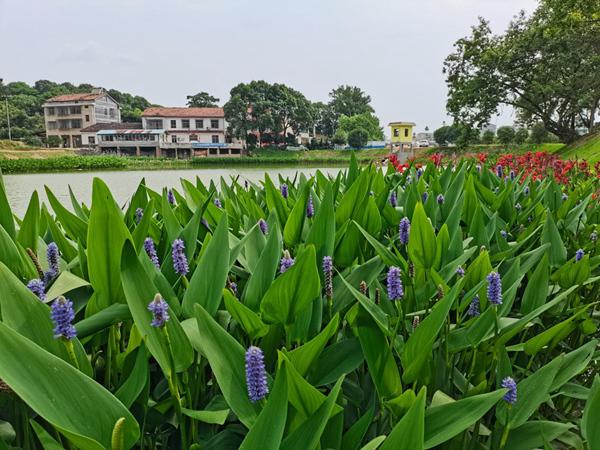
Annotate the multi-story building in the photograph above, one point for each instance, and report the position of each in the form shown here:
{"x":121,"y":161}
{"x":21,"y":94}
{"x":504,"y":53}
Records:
{"x":65,"y":115}
{"x":173,"y":132}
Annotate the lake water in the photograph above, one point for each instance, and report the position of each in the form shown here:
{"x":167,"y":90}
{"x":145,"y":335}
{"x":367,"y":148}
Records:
{"x":123,"y":183}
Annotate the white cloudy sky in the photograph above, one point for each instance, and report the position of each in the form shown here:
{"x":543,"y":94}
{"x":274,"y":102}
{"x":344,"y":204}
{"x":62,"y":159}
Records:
{"x":165,"y":50}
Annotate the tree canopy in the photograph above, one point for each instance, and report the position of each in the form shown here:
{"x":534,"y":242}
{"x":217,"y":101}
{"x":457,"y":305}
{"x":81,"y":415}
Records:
{"x":545,"y":65}
{"x":202,"y":100}
{"x":365,"y":121}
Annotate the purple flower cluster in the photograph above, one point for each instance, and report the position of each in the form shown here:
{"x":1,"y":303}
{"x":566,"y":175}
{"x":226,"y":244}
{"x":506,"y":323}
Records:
{"x":52,"y":255}
{"x":511,"y":396}
{"x":256,"y":374}
{"x":419,"y":173}
{"x":170,"y":197}
{"x":180,"y":262}
{"x":62,"y":315}
{"x":503,"y":233}
{"x":512,"y":175}
{"x":394,"y":199}
{"x":526,"y":191}
{"x":284,"y":190}
{"x":395,"y":290}
{"x":494,"y":288}
{"x":460,"y":271}
{"x":233,"y":287}
{"x":328,"y":272}
{"x":217,"y":203}
{"x":286,"y":262}
{"x":38,"y":287}
{"x":139,"y":213}
{"x":579,"y":254}
{"x":310,"y":208}
{"x":404,"y":229}
{"x":151,"y":252}
{"x":424,"y":197}
{"x":518,"y":207}
{"x":564,"y":197}
{"x":263,"y":226}
{"x":440,"y":199}
{"x":473,"y":310}
{"x":499,"y":171}
{"x":160,"y":311}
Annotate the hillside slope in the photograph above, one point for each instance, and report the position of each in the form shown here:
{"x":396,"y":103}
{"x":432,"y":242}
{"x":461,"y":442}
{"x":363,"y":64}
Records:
{"x":588,"y":147}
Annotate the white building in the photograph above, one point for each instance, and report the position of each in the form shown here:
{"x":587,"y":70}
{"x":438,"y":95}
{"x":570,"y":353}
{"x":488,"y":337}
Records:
{"x":173,"y":132}
{"x":66,"y":115}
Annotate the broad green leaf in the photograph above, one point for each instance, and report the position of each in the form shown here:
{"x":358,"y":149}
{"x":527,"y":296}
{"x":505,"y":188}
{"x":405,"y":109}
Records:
{"x":537,"y":287}
{"x":47,"y":441}
{"x":213,"y":417}
{"x":248,"y":319}
{"x":304,"y":356}
{"x":295,"y":221}
{"x":6,"y":216}
{"x":336,"y":360}
{"x":66,"y":282}
{"x":322,"y":231}
{"x":408,"y":433}
{"x":29,"y":229}
{"x":421,"y":244}
{"x":557,"y":253}
{"x":591,"y":417}
{"x":76,"y":228}
{"x":356,"y":433}
{"x":536,"y":434}
{"x":131,"y":389}
{"x":70,"y":402}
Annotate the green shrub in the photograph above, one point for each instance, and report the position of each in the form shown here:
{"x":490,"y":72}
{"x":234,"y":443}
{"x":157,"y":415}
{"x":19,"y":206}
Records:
{"x":358,"y":138}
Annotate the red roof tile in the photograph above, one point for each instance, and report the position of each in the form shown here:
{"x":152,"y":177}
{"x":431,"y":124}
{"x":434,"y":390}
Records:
{"x":184,"y":112}
{"x":86,"y":96}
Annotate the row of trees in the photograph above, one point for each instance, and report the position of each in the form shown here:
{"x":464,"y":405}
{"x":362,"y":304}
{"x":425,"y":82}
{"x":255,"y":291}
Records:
{"x":26,"y":113}
{"x":463,"y":135}
{"x":545,"y":66}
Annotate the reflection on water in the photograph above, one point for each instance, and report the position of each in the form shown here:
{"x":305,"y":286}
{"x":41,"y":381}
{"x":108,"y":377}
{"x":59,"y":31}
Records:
{"x":123,"y":183}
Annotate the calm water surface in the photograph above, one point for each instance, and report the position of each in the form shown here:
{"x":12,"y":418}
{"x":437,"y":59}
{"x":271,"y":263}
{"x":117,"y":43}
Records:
{"x":123,"y":183}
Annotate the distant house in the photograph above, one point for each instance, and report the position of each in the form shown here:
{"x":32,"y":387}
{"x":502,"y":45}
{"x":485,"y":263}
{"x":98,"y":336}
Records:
{"x":402,"y":135}
{"x":65,"y":115}
{"x":171,"y":132}
{"x":89,"y":136}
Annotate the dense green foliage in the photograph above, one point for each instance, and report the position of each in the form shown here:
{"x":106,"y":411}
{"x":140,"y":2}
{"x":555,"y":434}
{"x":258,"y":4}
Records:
{"x":348,"y":367}
{"x":62,"y":163}
{"x":365,"y":121}
{"x":358,"y":137}
{"x":202,"y":100}
{"x":25,"y":105}
{"x":506,"y":135}
{"x":545,"y":66}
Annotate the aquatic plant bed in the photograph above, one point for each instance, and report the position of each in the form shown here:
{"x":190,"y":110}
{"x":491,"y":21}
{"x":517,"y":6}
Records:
{"x":454,"y":306}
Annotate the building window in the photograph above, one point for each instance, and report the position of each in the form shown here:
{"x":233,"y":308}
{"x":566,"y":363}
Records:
{"x":174,"y":139}
{"x":112,"y":112}
{"x":92,"y":140}
{"x":52,"y":125}
{"x":75,"y":109}
{"x":406,"y":132}
{"x":193,"y":137}
{"x":50,"y":111}
{"x":154,"y":124}
{"x":185,"y":123}
{"x":214,"y":123}
{"x":76,"y":123}
{"x":396,"y":132}
{"x":215,"y":139}
{"x":87,"y":118}
{"x":173,"y":123}
{"x":63,"y":110}
{"x":199,"y":124}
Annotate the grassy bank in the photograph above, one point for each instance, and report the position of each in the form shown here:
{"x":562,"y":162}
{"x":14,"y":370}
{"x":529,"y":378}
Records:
{"x":588,"y":147}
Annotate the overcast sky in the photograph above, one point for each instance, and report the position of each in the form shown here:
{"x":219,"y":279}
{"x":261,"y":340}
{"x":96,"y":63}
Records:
{"x":165,"y":50}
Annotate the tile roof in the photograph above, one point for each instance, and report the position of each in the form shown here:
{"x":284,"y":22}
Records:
{"x":112,"y":126}
{"x":183,"y":112}
{"x":86,"y":96}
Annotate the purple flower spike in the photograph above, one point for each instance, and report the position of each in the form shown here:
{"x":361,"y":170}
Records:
{"x":511,"y":396}
{"x":473,"y":310}
{"x":139,"y":213}
{"x":38,"y":288}
{"x":151,"y":252}
{"x":579,"y":254}
{"x":180,"y":262}
{"x":62,"y":315}
{"x":419,"y":173}
{"x":494,"y":288}
{"x":328,"y":271}
{"x":310,"y":208}
{"x":460,"y":271}
{"x":395,"y":290}
{"x":440,"y":199}
{"x":256,"y":374}
{"x":160,"y":311}
{"x":499,"y":171}
{"x":233,"y":287}
{"x":564,"y":197}
{"x":170,"y":197}
{"x":404,"y":229}
{"x":512,"y":175}
{"x":263,"y":226}
{"x":504,"y":234}
{"x":217,"y":203}
{"x":594,"y":236}
{"x":52,"y":255}
{"x":526,"y":191}
{"x":424,"y":197}
{"x":284,"y":190}
{"x":394,"y":199}
{"x":286,"y":262}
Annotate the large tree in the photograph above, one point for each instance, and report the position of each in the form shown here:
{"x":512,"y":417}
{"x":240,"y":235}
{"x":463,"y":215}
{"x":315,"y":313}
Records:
{"x":365,"y":121}
{"x":545,"y":66}
{"x":350,"y":101}
{"x":202,"y":100}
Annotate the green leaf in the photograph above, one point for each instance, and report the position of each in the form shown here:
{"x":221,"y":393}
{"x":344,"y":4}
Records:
{"x":226,"y":358}
{"x":445,"y":421}
{"x":408,"y":434}
{"x":336,"y":360}
{"x":421,"y":245}
{"x":47,"y":441}
{"x":131,"y":389}
{"x":557,"y":253}
{"x":106,"y":235}
{"x":248,"y":319}
{"x":267,"y":432}
{"x":295,"y":221}
{"x":304,"y":356}
{"x":29,"y":230}
{"x":307,"y":435}
{"x":356,"y":433}
{"x":536,"y":434}
{"x":76,"y":228}
{"x":66,"y":282}
{"x":591,"y":417}
{"x":374,"y":310}
{"x":208,"y":280}
{"x":213,"y":417}
{"x":537,"y":287}
{"x":6,"y":216}
{"x":293,"y":291}
{"x":70,"y":402}
{"x":139,"y":292}
{"x":103,"y":319}
{"x":322,"y":231}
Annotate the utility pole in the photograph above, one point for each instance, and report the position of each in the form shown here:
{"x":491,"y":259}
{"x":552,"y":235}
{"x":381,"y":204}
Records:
{"x":7,"y":114}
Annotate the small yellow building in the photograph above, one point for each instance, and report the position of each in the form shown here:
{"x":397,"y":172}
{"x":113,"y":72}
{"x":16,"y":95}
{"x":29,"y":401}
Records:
{"x":402,"y":132}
